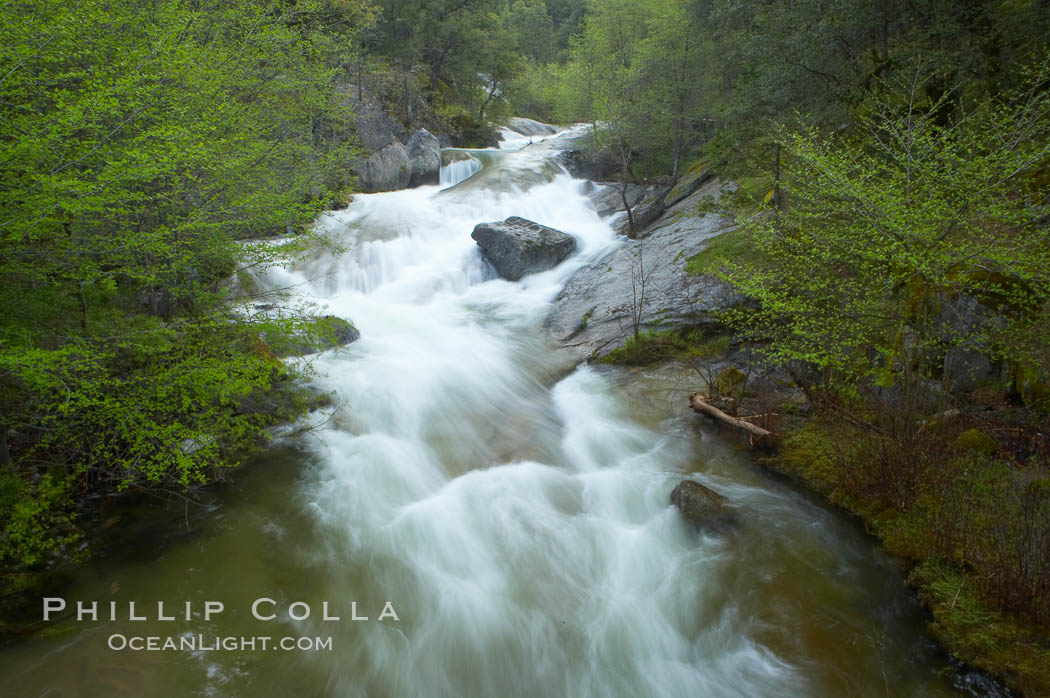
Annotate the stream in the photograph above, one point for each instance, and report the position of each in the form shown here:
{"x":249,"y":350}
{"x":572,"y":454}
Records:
{"x":510,"y":507}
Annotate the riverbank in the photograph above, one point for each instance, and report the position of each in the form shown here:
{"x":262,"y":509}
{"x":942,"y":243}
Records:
{"x":973,"y":540}
{"x":963,"y":506}
{"x":972,"y":507}
{"x":953,"y":479}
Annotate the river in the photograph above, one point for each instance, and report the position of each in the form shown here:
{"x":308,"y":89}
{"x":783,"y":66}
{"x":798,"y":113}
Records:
{"x":510,"y":506}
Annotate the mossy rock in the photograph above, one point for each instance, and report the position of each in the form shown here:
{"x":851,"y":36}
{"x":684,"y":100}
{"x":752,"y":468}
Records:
{"x":450,"y":156}
{"x":688,"y":183}
{"x":1036,"y":395}
{"x":977,"y":441}
{"x":318,"y":335}
{"x":729,"y":381}
{"x":1032,"y":386}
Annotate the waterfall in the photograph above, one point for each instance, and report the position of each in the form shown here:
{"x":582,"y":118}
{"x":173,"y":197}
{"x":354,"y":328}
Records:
{"x":459,"y":170}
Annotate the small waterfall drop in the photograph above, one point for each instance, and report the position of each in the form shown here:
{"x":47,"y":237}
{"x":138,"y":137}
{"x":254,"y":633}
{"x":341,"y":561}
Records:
{"x":457,"y":171}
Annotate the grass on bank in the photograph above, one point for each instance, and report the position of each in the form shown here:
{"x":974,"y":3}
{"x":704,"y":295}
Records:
{"x":966,"y":506}
{"x":661,"y":345}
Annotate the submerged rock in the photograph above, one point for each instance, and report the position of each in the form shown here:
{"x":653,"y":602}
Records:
{"x":424,"y":158}
{"x":517,"y":247}
{"x":701,"y":505}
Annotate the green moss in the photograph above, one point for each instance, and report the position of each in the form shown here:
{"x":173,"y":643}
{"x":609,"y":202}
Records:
{"x":977,"y":441}
{"x":835,"y":459}
{"x":808,"y":454}
{"x":730,"y":245}
{"x":731,"y":380}
{"x":681,"y":344}
{"x":1034,"y":390}
{"x":978,"y":635}
{"x":696,"y":170}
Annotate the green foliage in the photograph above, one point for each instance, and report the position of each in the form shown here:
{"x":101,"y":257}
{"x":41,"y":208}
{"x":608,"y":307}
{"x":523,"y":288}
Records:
{"x":474,"y":47}
{"x":548,"y":93}
{"x":688,"y":72}
{"x":30,"y":517}
{"x":886,"y":224}
{"x":733,"y":244}
{"x":684,"y":344}
{"x":489,"y":58}
{"x":633,"y":70}
{"x":145,"y":143}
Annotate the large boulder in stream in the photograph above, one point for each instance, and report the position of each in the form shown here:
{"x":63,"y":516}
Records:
{"x":386,"y":169}
{"x":386,"y":166}
{"x":702,"y":506}
{"x":517,"y":247}
{"x":424,"y":158}
{"x":375,"y":129}
{"x":530,"y":127}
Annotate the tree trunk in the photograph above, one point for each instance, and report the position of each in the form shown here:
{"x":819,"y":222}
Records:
{"x":677,"y":156}
{"x":776,"y":182}
{"x":625,"y":162}
{"x":485,"y":104}
{"x":627,"y":207}
{"x":697,"y":402}
{"x":404,"y":94}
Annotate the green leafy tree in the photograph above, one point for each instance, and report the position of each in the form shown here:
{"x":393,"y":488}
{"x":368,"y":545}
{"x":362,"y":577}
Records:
{"x":889,"y":223}
{"x":144,"y":146}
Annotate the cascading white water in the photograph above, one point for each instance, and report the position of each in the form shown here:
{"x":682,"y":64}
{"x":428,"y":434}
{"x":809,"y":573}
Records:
{"x":526,"y":524}
{"x":458,"y":170}
{"x":512,"y":508}
{"x":521,"y":521}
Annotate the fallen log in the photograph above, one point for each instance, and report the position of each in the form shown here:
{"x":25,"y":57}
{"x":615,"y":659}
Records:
{"x":697,"y":402}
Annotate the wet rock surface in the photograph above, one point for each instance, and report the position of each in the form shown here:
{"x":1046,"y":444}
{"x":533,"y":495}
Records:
{"x":424,"y":158}
{"x":517,"y":247}
{"x":702,"y":506}
{"x":643,"y":280}
{"x":530,"y":127}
